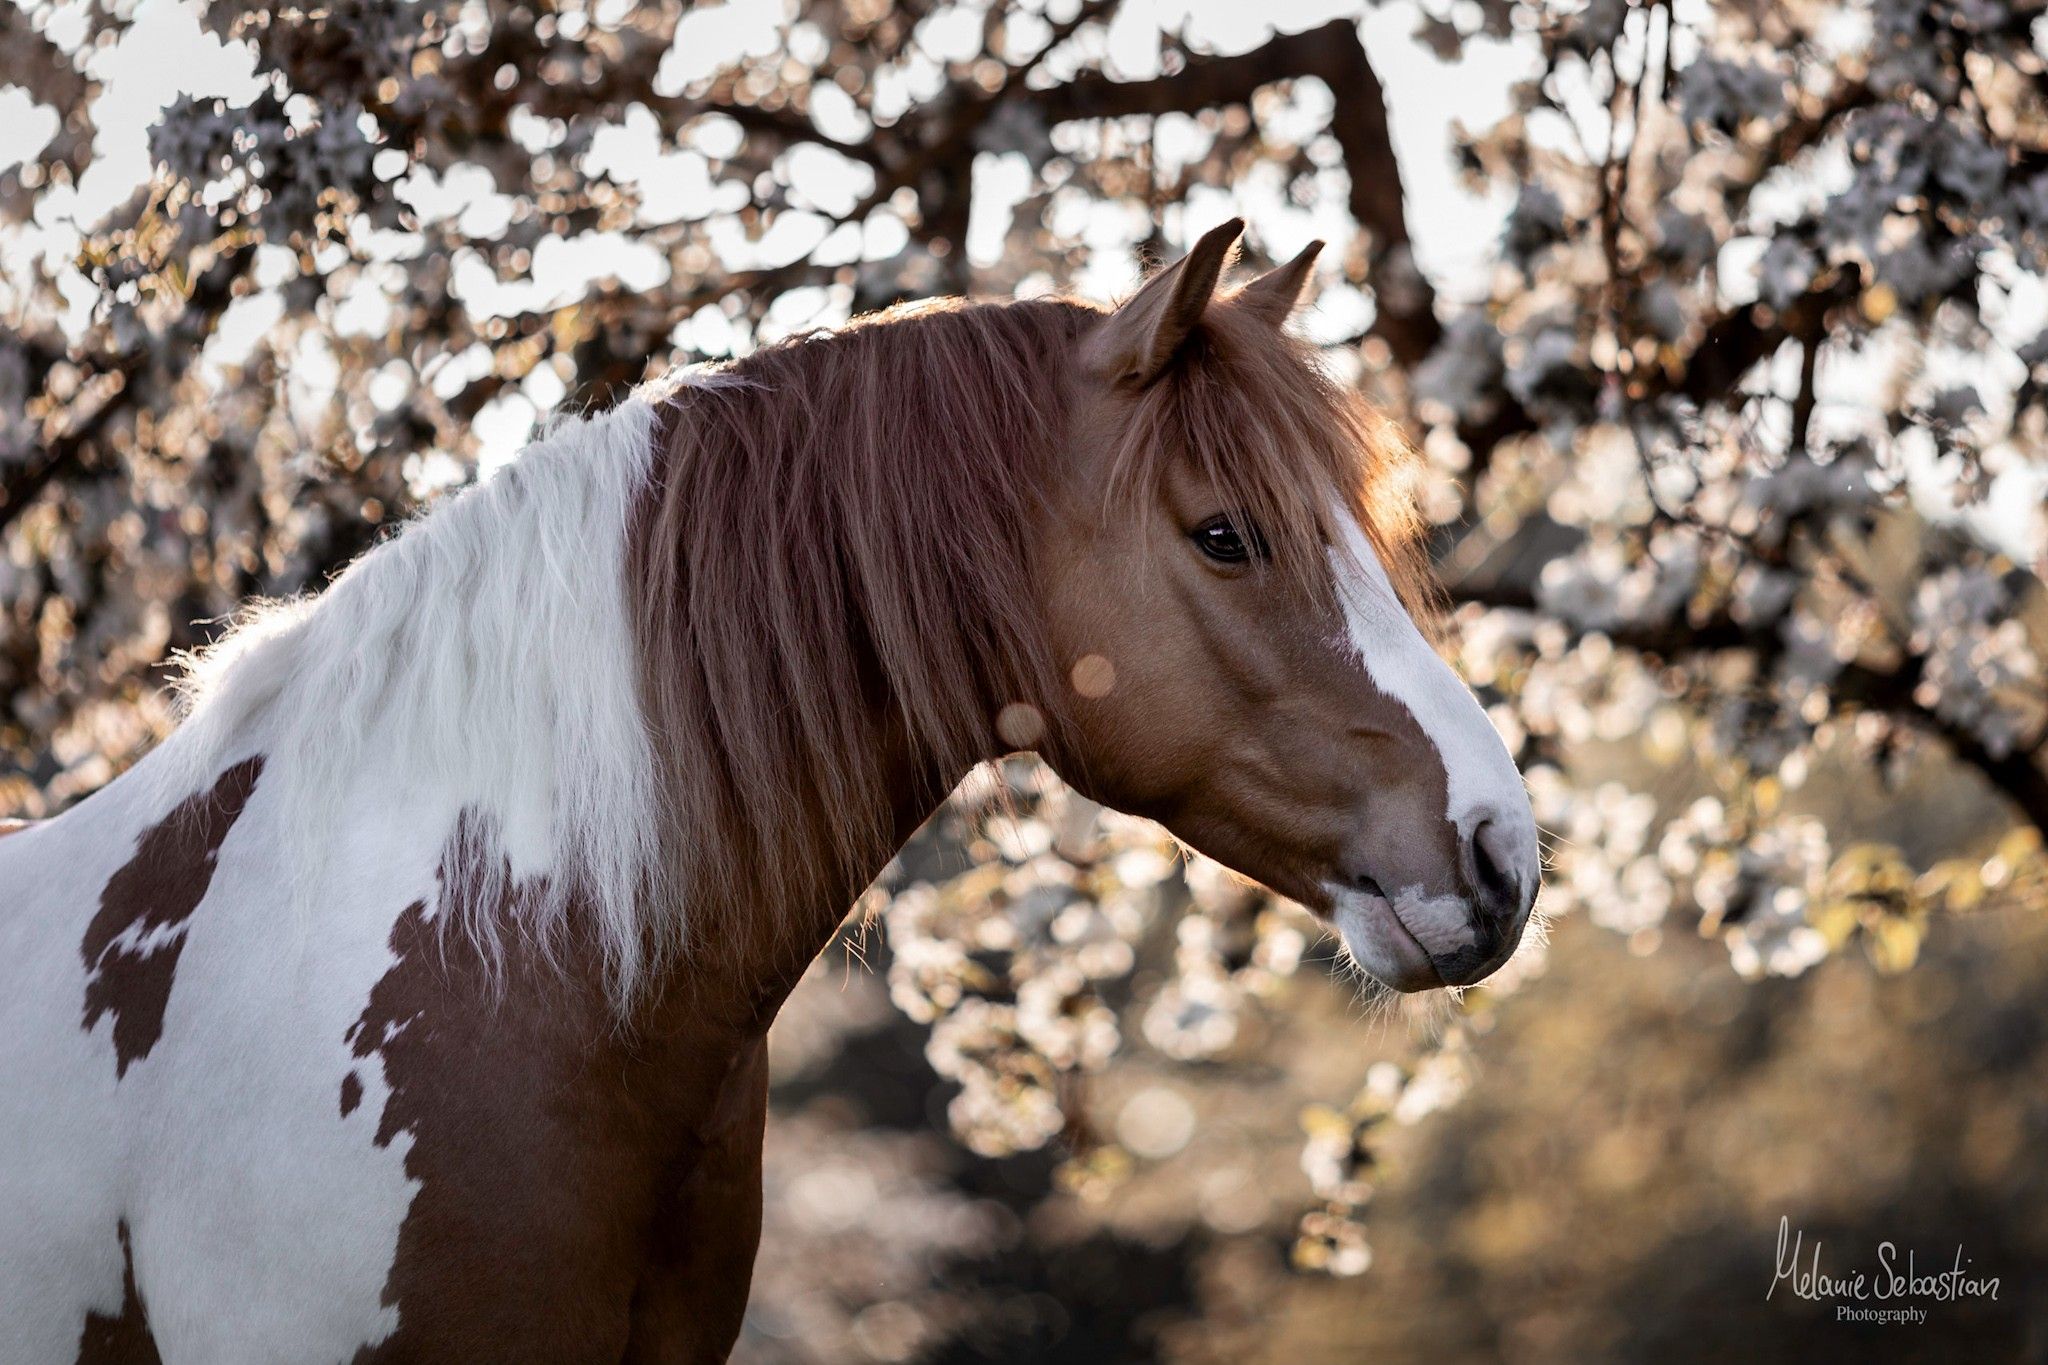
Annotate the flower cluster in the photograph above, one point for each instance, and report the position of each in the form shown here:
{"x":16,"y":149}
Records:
{"x":1342,"y":1155}
{"x":1007,"y":959}
{"x":1982,"y":674}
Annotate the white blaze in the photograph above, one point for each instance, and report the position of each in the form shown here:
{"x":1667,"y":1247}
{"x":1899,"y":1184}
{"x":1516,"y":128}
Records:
{"x":1479,"y":774}
{"x":1393,"y":941}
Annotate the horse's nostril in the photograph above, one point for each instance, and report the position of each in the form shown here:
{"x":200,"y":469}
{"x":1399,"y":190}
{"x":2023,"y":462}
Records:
{"x":1494,"y":880}
{"x":1363,"y":882}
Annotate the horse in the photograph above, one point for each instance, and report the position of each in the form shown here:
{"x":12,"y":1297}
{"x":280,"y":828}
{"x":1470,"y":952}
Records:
{"x":408,"y":1001}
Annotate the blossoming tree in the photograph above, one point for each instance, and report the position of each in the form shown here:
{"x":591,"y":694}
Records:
{"x":1736,"y":430}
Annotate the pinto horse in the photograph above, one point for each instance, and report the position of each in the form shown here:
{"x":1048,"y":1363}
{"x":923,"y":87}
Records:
{"x":408,"y":1002}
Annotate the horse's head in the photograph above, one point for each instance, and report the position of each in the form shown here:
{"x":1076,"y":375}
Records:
{"x":1232,"y":580}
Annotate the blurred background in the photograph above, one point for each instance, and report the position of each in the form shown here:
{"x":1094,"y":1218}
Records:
{"x":1723,"y":330}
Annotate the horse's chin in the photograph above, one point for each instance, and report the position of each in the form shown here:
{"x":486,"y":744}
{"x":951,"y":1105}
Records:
{"x":1379,"y":943}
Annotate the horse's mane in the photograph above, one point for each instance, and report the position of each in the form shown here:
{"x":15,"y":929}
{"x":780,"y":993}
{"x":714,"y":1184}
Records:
{"x":478,"y":666}
{"x":649,"y":654}
{"x":844,"y":521}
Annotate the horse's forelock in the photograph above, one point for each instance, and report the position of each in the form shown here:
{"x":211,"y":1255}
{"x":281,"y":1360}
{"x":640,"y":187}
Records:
{"x":1252,"y":409}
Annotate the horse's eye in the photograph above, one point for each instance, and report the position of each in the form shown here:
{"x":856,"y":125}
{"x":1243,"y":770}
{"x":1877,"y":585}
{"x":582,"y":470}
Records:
{"x":1221,"y":540}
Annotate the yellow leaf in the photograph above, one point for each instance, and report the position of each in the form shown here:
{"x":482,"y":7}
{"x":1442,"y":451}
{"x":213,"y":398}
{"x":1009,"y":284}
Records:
{"x":1310,"y":1255}
{"x":2022,"y":845}
{"x":1769,"y":792}
{"x":1880,"y":301}
{"x":1833,"y":920}
{"x":1957,"y":883}
{"x":1893,"y":944}
{"x":1320,"y":1120}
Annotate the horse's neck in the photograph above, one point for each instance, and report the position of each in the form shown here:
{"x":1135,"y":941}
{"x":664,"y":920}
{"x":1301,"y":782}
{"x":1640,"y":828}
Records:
{"x":482,"y":671}
{"x":745,"y":957}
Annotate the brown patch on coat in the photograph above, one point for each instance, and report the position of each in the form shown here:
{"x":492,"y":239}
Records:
{"x":132,"y":946}
{"x":123,"y":1339}
{"x":692,"y":1295}
{"x":551,"y":1145}
{"x":351,"y":1093}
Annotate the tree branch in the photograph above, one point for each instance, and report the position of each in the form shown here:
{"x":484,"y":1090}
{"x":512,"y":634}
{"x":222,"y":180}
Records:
{"x":1406,"y":319}
{"x":30,"y":60}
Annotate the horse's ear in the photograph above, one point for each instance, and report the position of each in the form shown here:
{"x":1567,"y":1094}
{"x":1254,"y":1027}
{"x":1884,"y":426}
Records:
{"x":1134,"y":344}
{"x":1277,"y":293}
